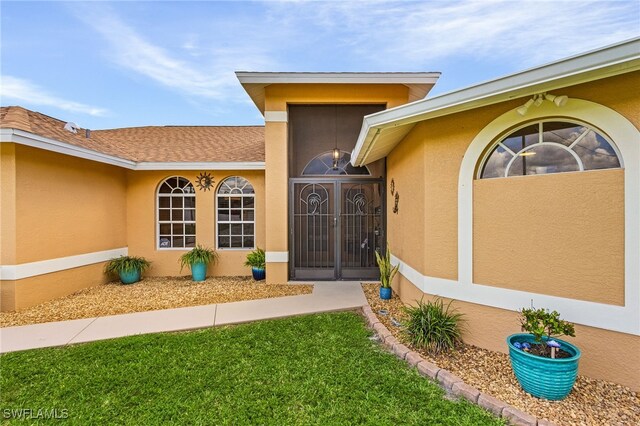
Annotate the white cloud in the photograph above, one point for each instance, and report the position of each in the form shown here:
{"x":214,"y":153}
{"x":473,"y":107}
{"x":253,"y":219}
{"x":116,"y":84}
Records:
{"x":411,"y":34}
{"x":25,"y":91}
{"x":204,"y":73}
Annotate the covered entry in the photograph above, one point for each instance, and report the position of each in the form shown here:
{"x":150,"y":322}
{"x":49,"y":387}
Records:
{"x":336,"y":210}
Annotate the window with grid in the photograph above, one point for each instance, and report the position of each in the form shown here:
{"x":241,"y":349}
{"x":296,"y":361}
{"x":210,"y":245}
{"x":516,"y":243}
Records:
{"x":176,"y":214}
{"x":236,"y":214}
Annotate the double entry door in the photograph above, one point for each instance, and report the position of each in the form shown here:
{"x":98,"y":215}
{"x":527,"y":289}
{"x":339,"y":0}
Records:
{"x":336,"y":225}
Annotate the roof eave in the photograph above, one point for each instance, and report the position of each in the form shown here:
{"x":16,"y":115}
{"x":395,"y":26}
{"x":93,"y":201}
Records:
{"x":607,"y":62}
{"x":254,"y":83}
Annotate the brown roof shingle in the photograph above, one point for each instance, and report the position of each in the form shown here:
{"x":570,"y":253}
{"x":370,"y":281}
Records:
{"x":151,"y":143}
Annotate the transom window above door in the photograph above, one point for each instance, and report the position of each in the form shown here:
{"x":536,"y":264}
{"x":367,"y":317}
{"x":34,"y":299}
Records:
{"x":325,"y":164}
{"x":550,"y":147}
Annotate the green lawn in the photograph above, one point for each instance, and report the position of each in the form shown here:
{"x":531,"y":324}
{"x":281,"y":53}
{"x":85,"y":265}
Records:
{"x":317,"y":369}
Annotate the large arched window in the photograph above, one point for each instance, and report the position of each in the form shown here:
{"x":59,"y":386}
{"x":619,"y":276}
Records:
{"x":236,"y":214}
{"x":549,"y":147}
{"x":176,"y":213}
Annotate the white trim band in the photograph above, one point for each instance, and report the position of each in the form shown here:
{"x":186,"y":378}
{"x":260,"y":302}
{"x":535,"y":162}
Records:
{"x":277,"y":256}
{"x":32,"y":269}
{"x":276,"y":116}
{"x":599,"y":315}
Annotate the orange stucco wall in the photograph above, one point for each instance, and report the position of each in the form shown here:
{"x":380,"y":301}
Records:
{"x":141,"y":220}
{"x":548,"y":234}
{"x":67,"y":206}
{"x":517,"y":222}
{"x":55,"y":206}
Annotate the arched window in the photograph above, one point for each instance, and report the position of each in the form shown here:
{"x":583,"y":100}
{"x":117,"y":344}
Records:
{"x":550,"y":147}
{"x":236,"y":214}
{"x":323,"y":164}
{"x":176,"y":213}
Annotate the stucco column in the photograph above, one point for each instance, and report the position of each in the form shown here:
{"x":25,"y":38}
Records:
{"x":276,"y":190}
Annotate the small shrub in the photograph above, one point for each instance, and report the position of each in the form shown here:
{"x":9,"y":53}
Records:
{"x":387,"y":270}
{"x":541,"y":322}
{"x":126,"y":264}
{"x":199,"y":254}
{"x":256,"y":259}
{"x":434,"y":326}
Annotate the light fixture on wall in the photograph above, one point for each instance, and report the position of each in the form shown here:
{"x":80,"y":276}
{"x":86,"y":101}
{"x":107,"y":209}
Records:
{"x":539,"y":98}
{"x":336,"y":150}
{"x":558,"y":100}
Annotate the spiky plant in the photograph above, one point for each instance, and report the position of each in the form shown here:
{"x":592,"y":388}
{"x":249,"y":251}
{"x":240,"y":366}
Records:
{"x":434,"y":326}
{"x":126,"y":264}
{"x":256,"y":259}
{"x":387,"y":270}
{"x":199,"y":254}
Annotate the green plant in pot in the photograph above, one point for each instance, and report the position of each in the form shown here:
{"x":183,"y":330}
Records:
{"x":387,"y":272}
{"x":197,"y":259}
{"x":256,"y":260}
{"x":128,"y":268}
{"x":545,"y":366}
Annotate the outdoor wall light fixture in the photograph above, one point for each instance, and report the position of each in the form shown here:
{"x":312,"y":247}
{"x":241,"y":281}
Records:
{"x":336,"y":151}
{"x":336,"y":158}
{"x":539,"y":98}
{"x":558,"y":100}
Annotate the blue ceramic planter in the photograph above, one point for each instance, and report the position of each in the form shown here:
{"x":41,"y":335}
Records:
{"x":130,"y":277}
{"x":259,"y":274}
{"x":543,"y":377}
{"x":199,"y":271}
{"x":385,"y":293}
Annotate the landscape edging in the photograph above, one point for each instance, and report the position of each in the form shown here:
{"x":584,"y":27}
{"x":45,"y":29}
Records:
{"x":447,"y":380}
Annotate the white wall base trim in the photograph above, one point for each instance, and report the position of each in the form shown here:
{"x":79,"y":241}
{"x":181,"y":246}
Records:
{"x":277,"y":256}
{"x":276,"y":116}
{"x":32,"y":269}
{"x":609,"y":317}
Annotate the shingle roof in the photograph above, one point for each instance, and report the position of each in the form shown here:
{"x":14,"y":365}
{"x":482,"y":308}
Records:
{"x":151,"y":143}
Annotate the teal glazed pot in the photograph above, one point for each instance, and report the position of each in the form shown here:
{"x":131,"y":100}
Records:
{"x":199,"y":271}
{"x":129,"y":277}
{"x":385,"y":293}
{"x":543,"y":377}
{"x":259,"y":274}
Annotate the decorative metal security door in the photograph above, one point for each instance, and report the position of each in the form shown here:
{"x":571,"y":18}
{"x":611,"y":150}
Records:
{"x":335,"y":227}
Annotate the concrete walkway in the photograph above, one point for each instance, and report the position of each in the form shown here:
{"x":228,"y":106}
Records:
{"x":326,"y":297}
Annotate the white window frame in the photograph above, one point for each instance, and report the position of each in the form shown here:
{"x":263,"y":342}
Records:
{"x":236,"y":222}
{"x":172,"y":222}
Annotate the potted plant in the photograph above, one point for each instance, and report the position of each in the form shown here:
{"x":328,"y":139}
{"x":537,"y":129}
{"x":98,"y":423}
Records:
{"x":128,"y":268}
{"x":387,"y":272}
{"x":546,"y":367}
{"x":256,"y":260}
{"x":197,"y":259}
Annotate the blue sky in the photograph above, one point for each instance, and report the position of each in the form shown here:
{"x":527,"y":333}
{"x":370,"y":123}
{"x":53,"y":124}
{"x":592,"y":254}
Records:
{"x":121,"y":64}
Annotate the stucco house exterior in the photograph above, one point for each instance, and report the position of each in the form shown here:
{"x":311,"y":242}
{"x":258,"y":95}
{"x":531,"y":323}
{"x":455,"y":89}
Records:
{"x":520,"y":191}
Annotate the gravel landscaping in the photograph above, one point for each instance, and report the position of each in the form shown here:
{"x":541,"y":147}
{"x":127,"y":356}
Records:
{"x":592,"y":402}
{"x":150,"y":294}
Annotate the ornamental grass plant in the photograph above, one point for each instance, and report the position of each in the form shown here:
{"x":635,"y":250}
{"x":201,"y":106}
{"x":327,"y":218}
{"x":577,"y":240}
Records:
{"x":434,"y":326}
